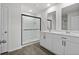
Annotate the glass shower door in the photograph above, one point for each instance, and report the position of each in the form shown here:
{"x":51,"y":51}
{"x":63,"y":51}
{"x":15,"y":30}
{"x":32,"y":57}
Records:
{"x":30,"y":29}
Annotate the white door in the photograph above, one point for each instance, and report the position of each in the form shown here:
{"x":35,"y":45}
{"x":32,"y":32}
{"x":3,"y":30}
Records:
{"x":4,"y":29}
{"x":0,"y":28}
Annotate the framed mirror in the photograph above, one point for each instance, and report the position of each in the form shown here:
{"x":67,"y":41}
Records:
{"x":51,"y":21}
{"x":70,"y":17}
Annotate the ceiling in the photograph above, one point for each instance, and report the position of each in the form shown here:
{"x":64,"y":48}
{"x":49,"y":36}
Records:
{"x":36,"y":7}
{"x":70,"y":9}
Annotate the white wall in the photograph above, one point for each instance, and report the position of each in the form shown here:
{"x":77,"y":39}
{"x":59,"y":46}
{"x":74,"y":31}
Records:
{"x":58,"y":17}
{"x":43,"y":16}
{"x":14,"y":26}
{"x":24,"y":10}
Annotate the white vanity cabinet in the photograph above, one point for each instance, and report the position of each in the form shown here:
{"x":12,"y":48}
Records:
{"x":60,"y":44}
{"x":43,"y":41}
{"x":56,"y":44}
{"x":72,"y":46}
{"x":52,"y":42}
{"x":46,"y":40}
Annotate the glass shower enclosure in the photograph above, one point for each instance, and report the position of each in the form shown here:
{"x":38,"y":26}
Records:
{"x":31,"y":27}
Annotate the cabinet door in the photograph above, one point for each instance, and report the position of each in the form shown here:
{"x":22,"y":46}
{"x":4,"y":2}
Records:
{"x":4,"y":26}
{"x":43,"y":41}
{"x":49,"y":41}
{"x":46,"y":41}
{"x":52,"y":42}
{"x":57,"y":44}
{"x":72,"y":46}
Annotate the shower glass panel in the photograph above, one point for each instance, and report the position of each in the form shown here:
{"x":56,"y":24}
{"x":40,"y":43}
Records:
{"x":30,"y":29}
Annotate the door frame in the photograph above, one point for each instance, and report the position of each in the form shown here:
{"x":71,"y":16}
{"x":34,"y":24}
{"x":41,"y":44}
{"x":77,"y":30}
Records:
{"x":22,"y":24}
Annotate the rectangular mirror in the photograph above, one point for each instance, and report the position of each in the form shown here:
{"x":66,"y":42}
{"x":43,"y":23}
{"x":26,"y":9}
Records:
{"x":51,"y":21}
{"x":70,"y":17}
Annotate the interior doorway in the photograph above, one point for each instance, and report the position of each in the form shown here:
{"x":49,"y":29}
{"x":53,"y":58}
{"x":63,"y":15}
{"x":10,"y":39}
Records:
{"x":3,"y":29}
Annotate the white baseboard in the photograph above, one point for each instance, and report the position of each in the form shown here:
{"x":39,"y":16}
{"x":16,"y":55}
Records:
{"x":24,"y":45}
{"x":27,"y":44}
{"x":15,"y":49}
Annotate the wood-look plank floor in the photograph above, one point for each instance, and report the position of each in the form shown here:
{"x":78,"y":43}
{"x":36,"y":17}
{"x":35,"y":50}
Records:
{"x":34,"y":49}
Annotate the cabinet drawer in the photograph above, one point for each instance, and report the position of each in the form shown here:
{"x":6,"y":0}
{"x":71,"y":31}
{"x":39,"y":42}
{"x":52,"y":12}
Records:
{"x":58,"y":36}
{"x":74,"y":40}
{"x":71,"y":48}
